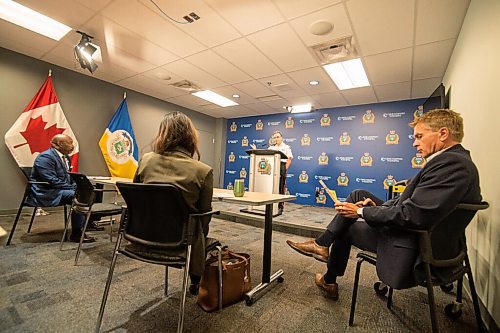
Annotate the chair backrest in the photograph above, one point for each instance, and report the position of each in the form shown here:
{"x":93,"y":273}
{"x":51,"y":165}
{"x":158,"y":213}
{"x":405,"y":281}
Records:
{"x":157,"y":215}
{"x":26,"y":171}
{"x":447,"y":239}
{"x":85,"y":194}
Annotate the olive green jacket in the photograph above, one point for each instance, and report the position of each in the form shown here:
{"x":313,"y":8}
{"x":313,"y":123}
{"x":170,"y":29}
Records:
{"x":195,"y":181}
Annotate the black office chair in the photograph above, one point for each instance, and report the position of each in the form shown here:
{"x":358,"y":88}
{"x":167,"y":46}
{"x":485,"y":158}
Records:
{"x":84,"y":203}
{"x":155,"y":223}
{"x":441,"y":247}
{"x":25,"y":202}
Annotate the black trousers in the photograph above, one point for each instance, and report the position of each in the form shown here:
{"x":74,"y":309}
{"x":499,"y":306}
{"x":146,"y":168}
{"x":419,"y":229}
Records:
{"x":348,"y":232}
{"x":282,"y":182}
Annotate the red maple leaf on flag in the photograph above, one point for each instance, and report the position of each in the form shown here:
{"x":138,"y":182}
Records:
{"x":37,"y":136}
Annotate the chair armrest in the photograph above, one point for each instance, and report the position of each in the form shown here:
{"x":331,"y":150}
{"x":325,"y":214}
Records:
{"x":32,"y":182}
{"x":212,"y":212}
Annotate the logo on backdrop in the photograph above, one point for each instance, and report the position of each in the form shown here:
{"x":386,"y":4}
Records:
{"x":320,"y":195}
{"x":369,"y":117}
{"x":259,"y":126}
{"x":120,"y":146}
{"x":392,"y":138}
{"x":229,"y":186}
{"x":323,"y":159}
{"x":366,"y":160}
{"x":243,"y":173}
{"x":263,"y":167}
{"x":231,"y":157}
{"x":418,"y":112}
{"x":233,"y":127}
{"x":305,"y":140}
{"x":244,"y":141}
{"x":418,"y":161}
{"x":342,"y":179}
{"x":303,"y":177}
{"x":345,"y":139}
{"x":325,"y":120}
{"x":389,"y":181}
{"x":289,"y":122}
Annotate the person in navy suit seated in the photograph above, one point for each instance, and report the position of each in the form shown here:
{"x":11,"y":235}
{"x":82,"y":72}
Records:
{"x":52,"y":166}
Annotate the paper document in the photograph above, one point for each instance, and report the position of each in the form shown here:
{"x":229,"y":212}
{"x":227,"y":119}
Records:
{"x":331,"y":193}
{"x":222,"y":195}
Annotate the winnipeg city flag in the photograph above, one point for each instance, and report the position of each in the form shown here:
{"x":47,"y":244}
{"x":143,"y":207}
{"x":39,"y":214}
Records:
{"x":38,"y":123}
{"x":118,"y":144}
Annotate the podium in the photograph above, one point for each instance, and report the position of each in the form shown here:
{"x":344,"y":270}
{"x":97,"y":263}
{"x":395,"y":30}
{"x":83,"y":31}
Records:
{"x":264,"y":176}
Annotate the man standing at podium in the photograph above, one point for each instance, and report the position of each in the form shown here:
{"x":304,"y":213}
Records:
{"x":279,"y":145}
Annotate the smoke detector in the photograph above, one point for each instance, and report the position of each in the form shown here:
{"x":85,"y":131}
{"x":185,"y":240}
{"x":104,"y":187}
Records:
{"x":186,"y":86}
{"x":335,"y":50}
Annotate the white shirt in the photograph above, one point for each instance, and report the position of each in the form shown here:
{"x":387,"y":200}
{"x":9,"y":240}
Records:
{"x":284,"y":148}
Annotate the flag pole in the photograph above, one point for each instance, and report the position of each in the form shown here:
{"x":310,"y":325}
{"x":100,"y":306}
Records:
{"x":124,"y":95}
{"x":50,"y":72}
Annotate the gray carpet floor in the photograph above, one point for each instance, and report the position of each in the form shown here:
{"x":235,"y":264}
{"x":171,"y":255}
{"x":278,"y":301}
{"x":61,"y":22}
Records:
{"x":42,"y":291}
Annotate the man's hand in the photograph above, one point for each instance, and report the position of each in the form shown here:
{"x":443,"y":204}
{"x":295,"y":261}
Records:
{"x":365,"y":203}
{"x":253,"y":146}
{"x":347,"y":209}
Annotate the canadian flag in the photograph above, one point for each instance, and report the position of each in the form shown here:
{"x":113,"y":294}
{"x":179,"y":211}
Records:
{"x":40,"y":121}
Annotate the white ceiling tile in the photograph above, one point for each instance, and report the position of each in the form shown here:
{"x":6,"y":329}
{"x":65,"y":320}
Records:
{"x":260,"y":108}
{"x":282,"y":85}
{"x":438,"y":20}
{"x":242,"y":14}
{"x":330,"y":100}
{"x":229,"y":91}
{"x":393,"y":92}
{"x":153,"y":27}
{"x":111,"y":33}
{"x":297,"y":100}
{"x":278,"y":104}
{"x":426,"y":66}
{"x":154,"y":85}
{"x":194,"y":74}
{"x":210,"y":30}
{"x":283,"y":47}
{"x":294,"y":8}
{"x":247,"y":57}
{"x":214,"y":64}
{"x":424,"y":88}
{"x":254,"y":88}
{"x":336,"y":15}
{"x":188,"y":99}
{"x":95,"y":5}
{"x":390,"y":67}
{"x":20,"y":46}
{"x":303,"y":77}
{"x":23,"y":38}
{"x":161,"y":75}
{"x":383,"y":25}
{"x":357,"y":96}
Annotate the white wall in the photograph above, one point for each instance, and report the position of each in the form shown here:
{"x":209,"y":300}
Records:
{"x":473,"y":75}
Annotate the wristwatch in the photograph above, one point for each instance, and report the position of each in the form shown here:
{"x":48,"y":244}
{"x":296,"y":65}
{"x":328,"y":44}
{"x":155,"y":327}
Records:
{"x":359,"y":211}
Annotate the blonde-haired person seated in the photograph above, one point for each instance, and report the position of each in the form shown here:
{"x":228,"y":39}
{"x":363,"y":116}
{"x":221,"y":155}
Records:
{"x":172,"y":162}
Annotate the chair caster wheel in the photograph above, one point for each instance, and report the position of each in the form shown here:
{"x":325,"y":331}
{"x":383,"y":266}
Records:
{"x":248,"y":300}
{"x":380,"y":288}
{"x":453,"y":310}
{"x":447,"y":287}
{"x":280,"y":279}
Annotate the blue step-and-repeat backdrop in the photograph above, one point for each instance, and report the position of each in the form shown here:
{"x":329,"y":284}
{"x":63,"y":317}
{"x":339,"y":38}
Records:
{"x":355,"y":147}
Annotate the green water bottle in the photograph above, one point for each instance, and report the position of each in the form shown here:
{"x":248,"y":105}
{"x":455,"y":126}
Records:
{"x":239,"y":187}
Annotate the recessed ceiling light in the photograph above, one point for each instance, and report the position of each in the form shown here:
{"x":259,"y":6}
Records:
{"x":320,"y":28}
{"x":163,"y":76}
{"x":236,"y":96}
{"x":214,"y":98}
{"x":314,"y":82}
{"x":348,"y":74}
{"x":32,"y":20}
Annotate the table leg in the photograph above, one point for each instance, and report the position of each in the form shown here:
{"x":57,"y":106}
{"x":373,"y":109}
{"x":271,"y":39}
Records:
{"x":267,"y":279}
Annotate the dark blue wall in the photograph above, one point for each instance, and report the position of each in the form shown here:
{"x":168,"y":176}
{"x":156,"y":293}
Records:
{"x":391,"y":155}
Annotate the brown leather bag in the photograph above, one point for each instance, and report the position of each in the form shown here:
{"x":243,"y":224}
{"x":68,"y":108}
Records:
{"x":235,"y":280}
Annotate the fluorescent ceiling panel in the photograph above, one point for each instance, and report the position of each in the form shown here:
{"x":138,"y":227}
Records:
{"x":214,"y":98}
{"x":348,"y":74}
{"x":32,"y":20}
{"x":301,"y":108}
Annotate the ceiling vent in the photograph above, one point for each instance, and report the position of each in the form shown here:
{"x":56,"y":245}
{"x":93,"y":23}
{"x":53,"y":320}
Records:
{"x":336,"y":50}
{"x":186,"y":86}
{"x":268,"y":98}
{"x":283,"y":87}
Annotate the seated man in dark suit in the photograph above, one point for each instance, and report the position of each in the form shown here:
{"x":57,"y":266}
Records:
{"x":448,"y":178}
{"x":52,"y":166}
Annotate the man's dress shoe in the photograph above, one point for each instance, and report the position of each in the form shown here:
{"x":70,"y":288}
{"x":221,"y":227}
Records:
{"x":93,"y":226}
{"x":331,"y":290}
{"x":311,"y":249}
{"x":86,"y":238}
